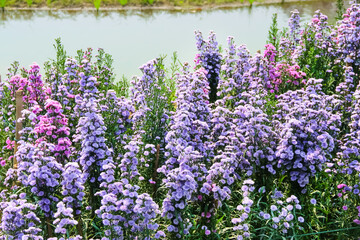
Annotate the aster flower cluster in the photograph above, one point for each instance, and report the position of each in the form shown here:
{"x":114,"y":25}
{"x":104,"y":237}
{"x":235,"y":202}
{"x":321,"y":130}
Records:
{"x":242,"y":228}
{"x":34,"y":93}
{"x":151,"y":83}
{"x":292,"y":37}
{"x":237,"y":62}
{"x":228,"y":158}
{"x":323,"y":37}
{"x":319,"y":36}
{"x":94,"y":151}
{"x":346,"y":88}
{"x":229,"y":61}
{"x":39,"y":171}
{"x":259,"y":136}
{"x":182,"y":186}
{"x":190,"y":123}
{"x":278,"y":71}
{"x":293,"y":75}
{"x":18,"y":83}
{"x":95,"y":157}
{"x":67,"y":82}
{"x":52,"y":127}
{"x":116,"y":113}
{"x":129,"y":163}
{"x":103,"y":70}
{"x":90,"y":129}
{"x":254,"y":91}
{"x":242,"y":136}
{"x":87,"y":97}
{"x":151,"y":97}
{"x":269,"y":56}
{"x":36,"y":85}
{"x":66,"y":238}
{"x":187,"y":150}
{"x":243,"y":141}
{"x":294,"y":26}
{"x":350,"y":148}
{"x":347,"y":195}
{"x":318,"y":53}
{"x":127,"y":214}
{"x":19,"y":220}
{"x":64,"y":217}
{"x":247,"y":81}
{"x":284,"y":214}
{"x":31,"y":83}
{"x":73,"y":187}
{"x":348,"y":35}
{"x":308,"y":131}
{"x":210,"y":60}
{"x":65,"y":89}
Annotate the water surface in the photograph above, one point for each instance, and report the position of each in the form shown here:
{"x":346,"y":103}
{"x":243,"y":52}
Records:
{"x":134,"y":37}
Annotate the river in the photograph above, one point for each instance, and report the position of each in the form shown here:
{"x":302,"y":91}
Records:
{"x":134,"y":37}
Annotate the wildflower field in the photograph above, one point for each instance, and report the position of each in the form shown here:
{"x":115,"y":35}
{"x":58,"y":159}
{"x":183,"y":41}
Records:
{"x":230,"y":146}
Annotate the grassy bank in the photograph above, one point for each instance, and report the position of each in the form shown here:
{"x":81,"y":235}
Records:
{"x":131,"y":4}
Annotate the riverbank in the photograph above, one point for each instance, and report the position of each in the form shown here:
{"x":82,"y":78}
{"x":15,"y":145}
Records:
{"x":118,"y":5}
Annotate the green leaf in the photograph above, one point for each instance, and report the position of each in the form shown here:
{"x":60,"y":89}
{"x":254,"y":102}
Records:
{"x":220,"y":219}
{"x":123,"y":2}
{"x":97,"y":4}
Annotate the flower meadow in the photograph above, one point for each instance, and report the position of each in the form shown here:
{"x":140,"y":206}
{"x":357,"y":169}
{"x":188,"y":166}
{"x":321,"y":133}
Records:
{"x":229,"y":146}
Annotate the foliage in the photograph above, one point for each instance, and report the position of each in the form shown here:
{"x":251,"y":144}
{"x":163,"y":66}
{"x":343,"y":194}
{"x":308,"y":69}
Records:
{"x":123,"y":2}
{"x":274,"y":34}
{"x":340,"y":9}
{"x":29,"y":3}
{"x":97,"y":4}
{"x":2,"y":4}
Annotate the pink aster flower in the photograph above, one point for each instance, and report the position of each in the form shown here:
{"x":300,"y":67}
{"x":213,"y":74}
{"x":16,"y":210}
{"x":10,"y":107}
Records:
{"x":340,"y":186}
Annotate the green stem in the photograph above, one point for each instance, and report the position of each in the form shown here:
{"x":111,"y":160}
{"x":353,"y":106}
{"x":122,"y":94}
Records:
{"x":318,"y":233}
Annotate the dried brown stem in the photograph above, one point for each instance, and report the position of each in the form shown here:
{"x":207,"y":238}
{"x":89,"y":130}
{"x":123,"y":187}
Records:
{"x":18,"y":126}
